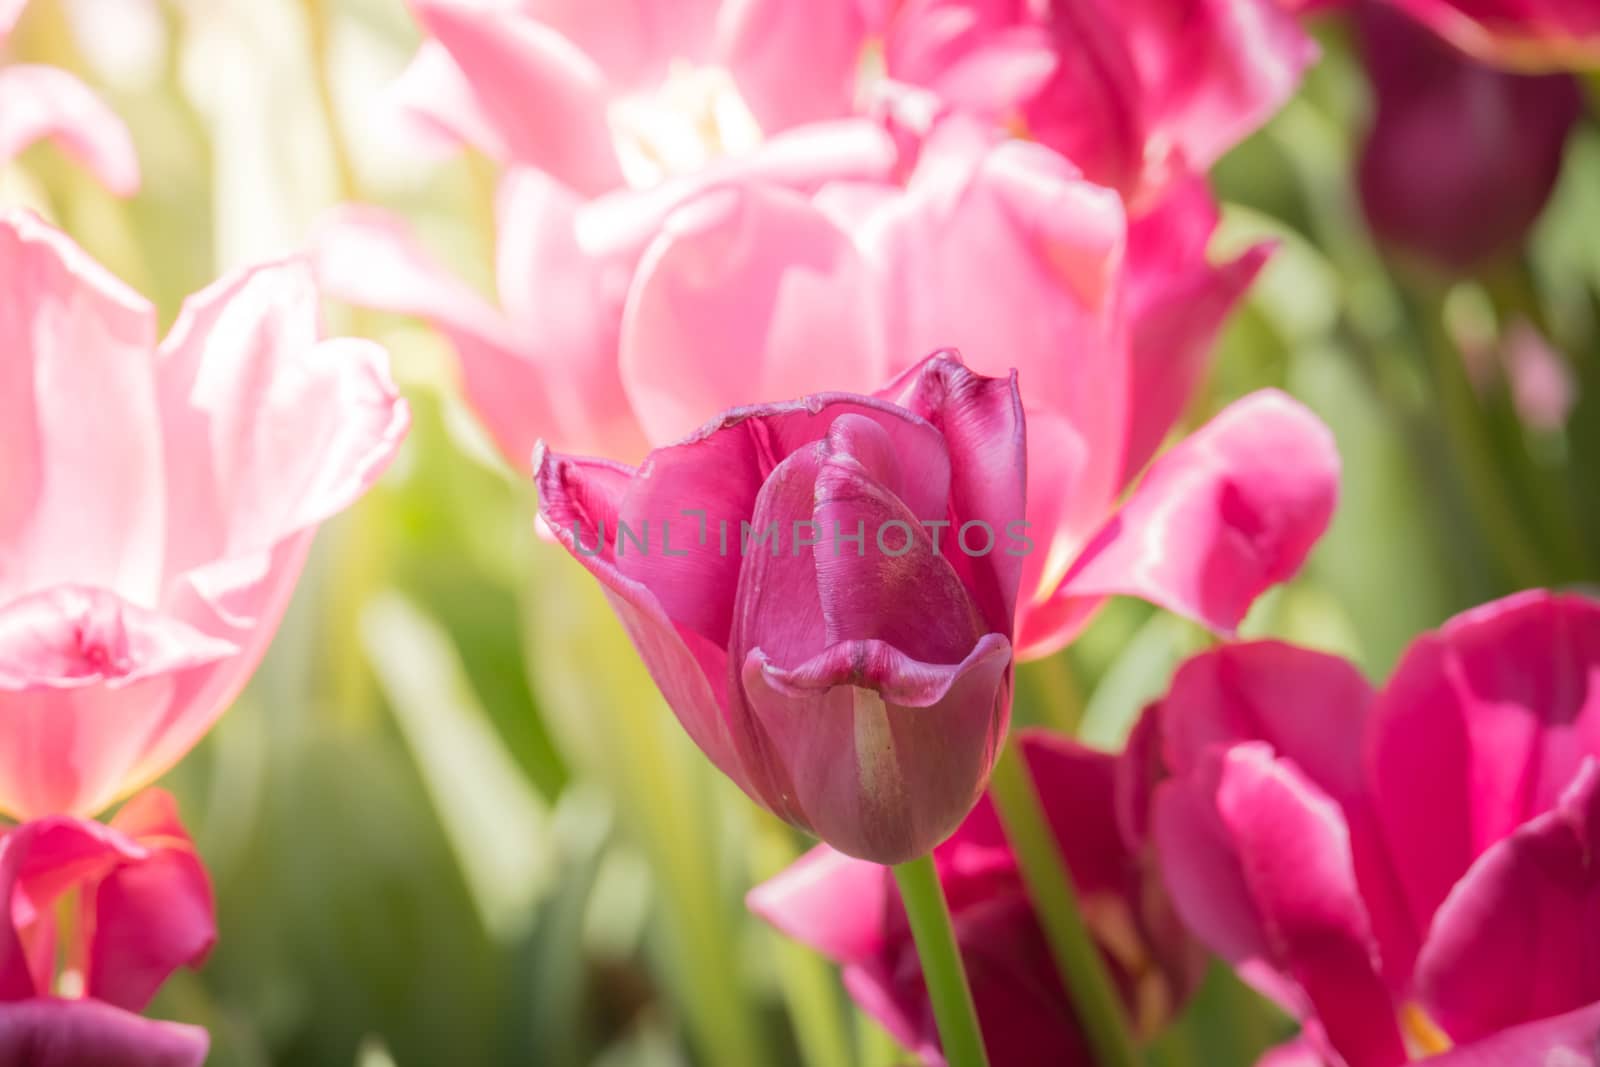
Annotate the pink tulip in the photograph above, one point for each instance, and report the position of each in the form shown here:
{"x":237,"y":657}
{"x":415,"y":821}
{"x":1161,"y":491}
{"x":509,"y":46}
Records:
{"x":144,"y":909}
{"x":1135,"y":92}
{"x":849,"y":910}
{"x":158,"y":505}
{"x":659,"y":314}
{"x":1528,"y":35}
{"x":632,"y":92}
{"x":1461,"y":158}
{"x":1409,"y":870}
{"x":859,"y":689}
{"x":39,"y":103}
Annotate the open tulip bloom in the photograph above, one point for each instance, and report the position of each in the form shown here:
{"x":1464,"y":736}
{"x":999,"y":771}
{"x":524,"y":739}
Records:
{"x":159,"y":500}
{"x":1410,"y":872}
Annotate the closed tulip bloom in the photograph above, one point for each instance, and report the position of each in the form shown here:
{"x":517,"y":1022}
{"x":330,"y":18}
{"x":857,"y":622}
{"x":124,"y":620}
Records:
{"x":159,"y":500}
{"x":143,"y":909}
{"x":1409,"y":871}
{"x":850,"y":911}
{"x":752,"y":290}
{"x":1526,"y":35}
{"x":45,"y":103}
{"x":1461,"y":157}
{"x":859,"y":689}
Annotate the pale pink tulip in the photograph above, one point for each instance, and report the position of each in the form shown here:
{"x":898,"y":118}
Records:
{"x":1527,"y":35}
{"x":1409,"y":870}
{"x":859,"y":689}
{"x":659,"y":313}
{"x":158,"y":504}
{"x":144,"y":908}
{"x":39,"y":103}
{"x":849,"y":910}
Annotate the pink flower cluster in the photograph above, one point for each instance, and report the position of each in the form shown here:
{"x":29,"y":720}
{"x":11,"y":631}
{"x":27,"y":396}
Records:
{"x":707,"y":210}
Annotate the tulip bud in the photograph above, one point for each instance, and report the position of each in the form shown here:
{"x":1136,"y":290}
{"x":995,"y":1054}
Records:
{"x":1461,"y":157}
{"x":824,"y":592}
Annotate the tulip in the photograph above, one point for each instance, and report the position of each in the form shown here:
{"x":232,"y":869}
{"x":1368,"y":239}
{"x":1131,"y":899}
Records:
{"x":1135,"y":92}
{"x":1408,"y":871}
{"x":159,"y":502}
{"x":39,"y":102}
{"x":859,"y":689}
{"x":1525,"y":35}
{"x":145,"y":909}
{"x":750,"y":291}
{"x":1461,"y":158}
{"x":849,"y":910}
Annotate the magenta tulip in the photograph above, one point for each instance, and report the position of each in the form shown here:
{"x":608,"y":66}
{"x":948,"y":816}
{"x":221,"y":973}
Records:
{"x":1461,"y":158}
{"x":43,"y":103}
{"x":1409,"y":870}
{"x":144,"y":909}
{"x":1135,"y":92}
{"x":1528,"y":35}
{"x":779,"y":572}
{"x":849,"y":910}
{"x":159,"y":501}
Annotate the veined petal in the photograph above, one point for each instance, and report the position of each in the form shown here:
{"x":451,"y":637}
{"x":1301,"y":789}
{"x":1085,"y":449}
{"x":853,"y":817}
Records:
{"x":885,"y":756}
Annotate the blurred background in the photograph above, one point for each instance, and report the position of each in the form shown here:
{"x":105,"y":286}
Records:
{"x":450,"y":821}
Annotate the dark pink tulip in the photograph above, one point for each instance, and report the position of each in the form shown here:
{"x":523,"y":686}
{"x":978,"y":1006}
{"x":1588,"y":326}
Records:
{"x":1135,"y":92}
{"x":144,"y":909}
{"x":859,"y":690}
{"x":1530,"y":35}
{"x":1409,"y":870}
{"x":1461,"y":157}
{"x":849,"y":910}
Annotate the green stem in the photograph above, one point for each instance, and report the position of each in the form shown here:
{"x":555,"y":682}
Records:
{"x":1055,"y":900}
{"x":942,"y":971}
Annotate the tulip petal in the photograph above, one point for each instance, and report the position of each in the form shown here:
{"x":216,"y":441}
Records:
{"x":1571,"y":1040}
{"x":828,"y":901}
{"x":885,"y":755}
{"x":581,"y":501}
{"x":1495,"y":712}
{"x":986,"y":442}
{"x":545,"y":97}
{"x":1232,"y":510}
{"x":566,"y":306}
{"x":793,"y":64}
{"x":369,"y":258}
{"x":1529,"y":37}
{"x":87,"y":1033}
{"x":152,"y":917}
{"x":1294,"y":851}
{"x":1178,"y":302}
{"x":434,"y":93}
{"x":83,"y":497}
{"x":1517,"y":938}
{"x":716,"y":320}
{"x":42,"y":102}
